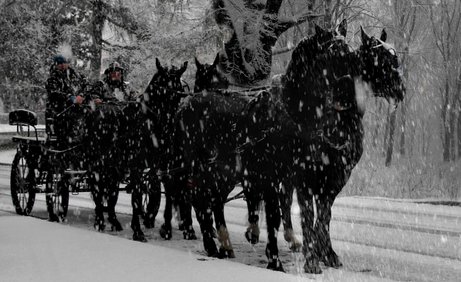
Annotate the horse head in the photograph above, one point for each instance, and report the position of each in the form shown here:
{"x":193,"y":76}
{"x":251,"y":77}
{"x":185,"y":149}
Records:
{"x":165,"y":88}
{"x":318,"y":77}
{"x":380,"y":67}
{"x":208,"y":77}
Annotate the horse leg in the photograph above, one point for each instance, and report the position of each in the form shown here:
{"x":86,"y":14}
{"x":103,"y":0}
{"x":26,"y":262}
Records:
{"x":325,"y":251}
{"x":253,"y":199}
{"x":201,"y":200}
{"x":98,"y":195}
{"x":225,"y":250}
{"x":305,"y":201}
{"x":154,"y":192}
{"x":185,"y":212}
{"x":273,"y":219}
{"x":136,"y":204}
{"x":112,"y":201}
{"x":205,"y":220}
{"x":166,"y":229}
{"x":286,"y":200}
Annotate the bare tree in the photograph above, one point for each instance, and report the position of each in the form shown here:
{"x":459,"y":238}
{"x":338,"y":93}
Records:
{"x":445,"y":18}
{"x":403,"y":19}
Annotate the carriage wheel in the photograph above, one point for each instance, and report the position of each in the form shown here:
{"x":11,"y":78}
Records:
{"x":22,"y":184}
{"x":57,"y":196}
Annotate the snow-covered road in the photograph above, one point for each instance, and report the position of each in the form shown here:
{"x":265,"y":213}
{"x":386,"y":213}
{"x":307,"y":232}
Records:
{"x":375,"y":238}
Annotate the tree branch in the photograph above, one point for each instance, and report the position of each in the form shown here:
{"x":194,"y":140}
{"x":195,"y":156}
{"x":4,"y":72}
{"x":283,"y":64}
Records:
{"x":119,"y":46}
{"x":284,"y":25}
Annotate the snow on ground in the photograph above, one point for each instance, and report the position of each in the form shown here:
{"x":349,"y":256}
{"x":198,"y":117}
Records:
{"x":36,"y":250}
{"x":7,"y":156}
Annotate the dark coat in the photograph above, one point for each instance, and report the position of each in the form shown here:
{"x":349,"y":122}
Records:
{"x":60,"y":87}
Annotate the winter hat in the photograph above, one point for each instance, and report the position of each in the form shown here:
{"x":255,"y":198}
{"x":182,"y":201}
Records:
{"x":60,"y":59}
{"x":114,"y":66}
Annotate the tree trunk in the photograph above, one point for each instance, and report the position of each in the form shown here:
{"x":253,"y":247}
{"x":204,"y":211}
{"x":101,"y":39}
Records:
{"x":255,"y":28}
{"x":403,"y":118}
{"x":390,"y":145}
{"x":377,"y":126}
{"x":97,"y":25}
{"x":459,"y":133}
{"x":446,"y":123}
{"x":458,"y":99}
{"x":328,"y":18}
{"x":386,"y":131}
{"x":452,"y":133}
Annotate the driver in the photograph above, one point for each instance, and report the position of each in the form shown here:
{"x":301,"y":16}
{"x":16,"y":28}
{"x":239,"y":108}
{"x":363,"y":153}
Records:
{"x":63,"y":88}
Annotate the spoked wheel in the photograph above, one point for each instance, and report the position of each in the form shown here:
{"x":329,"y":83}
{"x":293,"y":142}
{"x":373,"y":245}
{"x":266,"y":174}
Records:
{"x":22,"y":184}
{"x":57,"y":196}
{"x":150,"y":198}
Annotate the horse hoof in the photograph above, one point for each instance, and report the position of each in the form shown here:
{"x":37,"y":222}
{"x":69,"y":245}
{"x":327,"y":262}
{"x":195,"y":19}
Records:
{"x":53,"y":218}
{"x":210,"y":247}
{"x":62,"y":217}
{"x":333,"y":261}
{"x":99,"y":226}
{"x":189,"y":235}
{"x":313,"y":268}
{"x":275,"y":265}
{"x":251,"y":237}
{"x":27,"y":211}
{"x":295,"y":246}
{"x":223,"y":253}
{"x":116,"y":226}
{"x":139,"y":236}
{"x":165,"y":232}
{"x":19,"y":211}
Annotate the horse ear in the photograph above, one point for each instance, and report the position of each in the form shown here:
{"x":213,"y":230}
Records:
{"x":318,"y":29}
{"x":383,"y":35}
{"x":342,"y":28}
{"x":216,"y":60}
{"x":197,"y":63}
{"x":158,"y":65}
{"x":365,"y":37}
{"x":183,"y":68}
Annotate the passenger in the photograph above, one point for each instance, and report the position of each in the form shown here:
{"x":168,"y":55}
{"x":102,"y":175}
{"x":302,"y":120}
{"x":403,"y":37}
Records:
{"x":114,"y":83}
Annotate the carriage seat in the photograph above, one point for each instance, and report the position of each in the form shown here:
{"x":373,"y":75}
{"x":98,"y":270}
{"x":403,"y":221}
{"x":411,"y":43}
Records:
{"x":25,"y":118}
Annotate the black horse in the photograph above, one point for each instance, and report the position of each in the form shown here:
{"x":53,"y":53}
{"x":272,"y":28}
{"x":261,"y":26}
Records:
{"x":321,"y":92}
{"x":103,"y":159}
{"x":151,"y":126}
{"x":217,"y":125}
{"x":176,"y":182}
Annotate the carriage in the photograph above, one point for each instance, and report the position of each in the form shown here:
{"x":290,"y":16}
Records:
{"x":40,"y":167}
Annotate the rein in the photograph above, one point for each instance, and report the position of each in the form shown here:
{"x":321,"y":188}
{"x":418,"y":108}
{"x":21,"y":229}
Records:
{"x":180,"y":93}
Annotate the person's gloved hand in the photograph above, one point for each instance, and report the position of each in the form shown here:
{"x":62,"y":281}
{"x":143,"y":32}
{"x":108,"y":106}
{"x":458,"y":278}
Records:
{"x":76,"y":99}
